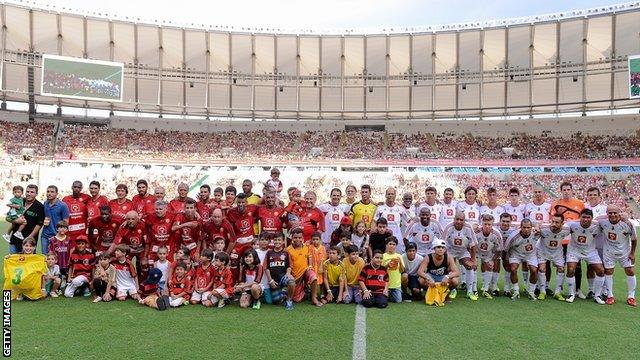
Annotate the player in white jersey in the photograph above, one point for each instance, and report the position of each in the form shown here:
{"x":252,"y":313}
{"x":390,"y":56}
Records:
{"x":594,"y":202}
{"x":469,"y":207}
{"x":521,"y":248}
{"x":582,"y":246}
{"x":514,"y":207}
{"x":423,"y":232}
{"x":447,"y":208}
{"x":489,"y":249}
{"x":549,"y":248}
{"x":432,"y":204}
{"x":492,"y":208}
{"x":620,"y":246}
{"x":461,"y":244}
{"x":538,"y":209}
{"x":407,"y":205}
{"x":395,"y":215}
{"x":333,"y":212}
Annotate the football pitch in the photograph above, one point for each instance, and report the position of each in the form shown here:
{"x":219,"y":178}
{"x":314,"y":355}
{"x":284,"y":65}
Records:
{"x":499,"y":328}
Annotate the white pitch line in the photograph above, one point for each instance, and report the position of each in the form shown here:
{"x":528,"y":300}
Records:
{"x":360,"y":334}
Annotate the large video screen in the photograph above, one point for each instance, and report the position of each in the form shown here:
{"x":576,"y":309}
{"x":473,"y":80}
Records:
{"x":81,"y":78}
{"x":634,"y":77}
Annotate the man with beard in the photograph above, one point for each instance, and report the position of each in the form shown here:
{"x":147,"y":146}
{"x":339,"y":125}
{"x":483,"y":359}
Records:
{"x":270,"y":215}
{"x":143,"y":202}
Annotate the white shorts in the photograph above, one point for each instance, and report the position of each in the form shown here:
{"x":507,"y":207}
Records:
{"x":592,"y":257}
{"x":486,"y":258}
{"x":530,"y":259}
{"x":460,"y":254}
{"x":557,"y":259}
{"x":220,"y":293}
{"x":124,"y":291}
{"x":610,"y":260}
{"x":199,"y":296}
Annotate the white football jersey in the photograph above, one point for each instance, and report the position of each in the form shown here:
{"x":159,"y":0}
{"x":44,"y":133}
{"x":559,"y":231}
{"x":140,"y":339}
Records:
{"x":436,"y":210}
{"x":471,"y":212}
{"x":423,"y":235}
{"x":332,"y":217}
{"x":495,"y":212}
{"x":516,"y":212}
{"x":538,"y":214}
{"x":395,"y":215}
{"x":447,"y":213}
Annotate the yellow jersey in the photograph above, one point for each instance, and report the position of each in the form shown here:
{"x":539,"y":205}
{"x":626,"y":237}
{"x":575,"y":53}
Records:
{"x":23,"y":275}
{"x":363,"y":212}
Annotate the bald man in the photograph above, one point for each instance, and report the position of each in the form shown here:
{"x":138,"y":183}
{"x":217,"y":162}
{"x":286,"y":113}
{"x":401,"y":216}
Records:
{"x":619,"y":247}
{"x":218,"y":227}
{"x":395,"y":215}
{"x":132,"y":232}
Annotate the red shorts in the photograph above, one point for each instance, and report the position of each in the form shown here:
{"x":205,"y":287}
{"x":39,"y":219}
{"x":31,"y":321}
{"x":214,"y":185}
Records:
{"x":307,"y":278}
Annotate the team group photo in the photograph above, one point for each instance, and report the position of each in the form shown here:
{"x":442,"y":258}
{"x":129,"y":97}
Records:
{"x":366,"y":180}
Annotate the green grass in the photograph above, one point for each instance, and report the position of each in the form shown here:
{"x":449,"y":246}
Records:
{"x":77,"y":328}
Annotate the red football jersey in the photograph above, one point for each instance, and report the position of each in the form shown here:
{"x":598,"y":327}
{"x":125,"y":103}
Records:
{"x":102,"y":234}
{"x":243,"y":222}
{"x":177,"y":286}
{"x":134,"y":238}
{"x":270,"y":219}
{"x":144,"y":205}
{"x":223,"y":278}
{"x":77,"y":215}
{"x":311,"y":220}
{"x":118,"y":210}
{"x":94,"y":205}
{"x":188,"y":236}
{"x":205,"y":208}
{"x":82,"y":263}
{"x":225,"y":229}
{"x":159,"y":233}
{"x":176,"y":206}
{"x":203,"y":278}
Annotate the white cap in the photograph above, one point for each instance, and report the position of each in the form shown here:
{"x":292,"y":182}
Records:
{"x":437,"y":242}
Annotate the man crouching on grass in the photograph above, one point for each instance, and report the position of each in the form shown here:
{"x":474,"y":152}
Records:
{"x":301,"y":268}
{"x":439,"y":269}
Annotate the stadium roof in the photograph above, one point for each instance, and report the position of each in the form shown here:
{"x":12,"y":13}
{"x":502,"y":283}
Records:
{"x":558,"y":63}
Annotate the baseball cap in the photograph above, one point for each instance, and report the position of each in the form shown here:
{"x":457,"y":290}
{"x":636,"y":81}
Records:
{"x":437,"y":242}
{"x":346,"y":220}
{"x":154,"y":277}
{"x":82,"y":238}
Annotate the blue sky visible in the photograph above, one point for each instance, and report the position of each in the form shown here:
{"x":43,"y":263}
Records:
{"x":326,"y":14}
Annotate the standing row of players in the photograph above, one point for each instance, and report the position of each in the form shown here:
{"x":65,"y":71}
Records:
{"x":534,"y":236}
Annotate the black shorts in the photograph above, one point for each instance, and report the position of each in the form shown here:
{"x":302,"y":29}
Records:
{"x":413,"y":282}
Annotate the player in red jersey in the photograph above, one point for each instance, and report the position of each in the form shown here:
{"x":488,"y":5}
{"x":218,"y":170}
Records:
{"x":270,"y":215}
{"x":132,"y":233}
{"x":176,"y":206}
{"x":121,"y":205}
{"x":311,"y":219}
{"x":102,"y":230}
{"x":95,"y":201}
{"x":158,"y":230}
{"x":229,"y":199}
{"x":187,"y":229}
{"x":143,"y":202}
{"x":242,"y":217}
{"x":204,"y":205}
{"x":77,"y":203}
{"x":218,"y":227}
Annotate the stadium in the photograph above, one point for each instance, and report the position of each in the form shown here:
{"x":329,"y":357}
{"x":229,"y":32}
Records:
{"x":529,"y":103}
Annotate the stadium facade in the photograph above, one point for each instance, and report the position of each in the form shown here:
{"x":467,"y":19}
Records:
{"x":551,"y":64}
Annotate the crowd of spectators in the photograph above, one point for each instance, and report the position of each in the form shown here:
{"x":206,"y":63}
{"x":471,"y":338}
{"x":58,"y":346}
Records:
{"x":90,"y":142}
